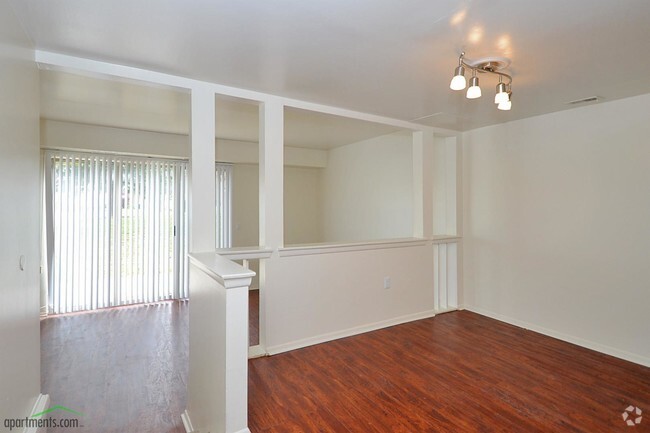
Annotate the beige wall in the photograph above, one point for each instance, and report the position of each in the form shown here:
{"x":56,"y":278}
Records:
{"x":245,"y":205}
{"x":368,"y":190}
{"x":557,"y":225}
{"x":19,"y":228}
{"x":302,"y":183}
{"x":67,"y":135}
{"x":303,"y":205}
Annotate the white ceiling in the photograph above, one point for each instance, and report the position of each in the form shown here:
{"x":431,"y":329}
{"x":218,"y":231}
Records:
{"x":125,"y":104}
{"x":388,"y":57}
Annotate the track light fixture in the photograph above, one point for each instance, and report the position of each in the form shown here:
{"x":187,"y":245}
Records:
{"x":474,"y":91}
{"x":502,"y":93}
{"x":492,"y":65}
{"x":458,"y":82}
{"x":506,"y":105}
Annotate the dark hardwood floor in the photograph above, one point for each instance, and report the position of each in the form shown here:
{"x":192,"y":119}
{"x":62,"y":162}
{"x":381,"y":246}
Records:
{"x":125,"y":369}
{"x":253,"y":317}
{"x":457,"y":372}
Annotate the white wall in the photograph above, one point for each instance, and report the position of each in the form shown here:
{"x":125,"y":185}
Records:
{"x":19,"y":221}
{"x":67,"y":135}
{"x":303,"y":205}
{"x":557,"y":225}
{"x":315,"y":298}
{"x":368,"y":190}
{"x":245,"y":205}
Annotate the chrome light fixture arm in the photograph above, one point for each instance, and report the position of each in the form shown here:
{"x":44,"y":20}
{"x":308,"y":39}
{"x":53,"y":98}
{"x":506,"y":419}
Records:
{"x":487,"y":69}
{"x":491,"y":65}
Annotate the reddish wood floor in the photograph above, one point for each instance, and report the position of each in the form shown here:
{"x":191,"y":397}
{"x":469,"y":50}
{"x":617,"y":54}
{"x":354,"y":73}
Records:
{"x":126,"y":371}
{"x":253,"y":317}
{"x":457,"y":372}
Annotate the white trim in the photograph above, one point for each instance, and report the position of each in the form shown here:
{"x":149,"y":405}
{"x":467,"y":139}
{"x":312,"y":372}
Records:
{"x":326,"y":248}
{"x":245,"y":253}
{"x":189,"y":428}
{"x":49,"y":60}
{"x":226,"y":272}
{"x":187,"y":423}
{"x":256,"y":351}
{"x":607,"y":350}
{"x":445,"y":239}
{"x":303,"y":105}
{"x":323,"y":338}
{"x":41,"y":404}
{"x":447,"y":310}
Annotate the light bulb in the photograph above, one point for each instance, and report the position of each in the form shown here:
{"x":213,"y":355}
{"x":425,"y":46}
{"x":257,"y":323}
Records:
{"x":505,"y":106}
{"x":458,"y":82}
{"x":474,"y":90}
{"x":502,"y":95}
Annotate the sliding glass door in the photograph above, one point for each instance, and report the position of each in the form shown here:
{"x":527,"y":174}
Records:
{"x":117,"y":230}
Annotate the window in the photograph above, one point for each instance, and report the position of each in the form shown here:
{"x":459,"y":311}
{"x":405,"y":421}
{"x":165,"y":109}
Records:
{"x":117,"y":230}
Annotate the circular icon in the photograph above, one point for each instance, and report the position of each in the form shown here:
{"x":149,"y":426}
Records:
{"x":632,"y":416}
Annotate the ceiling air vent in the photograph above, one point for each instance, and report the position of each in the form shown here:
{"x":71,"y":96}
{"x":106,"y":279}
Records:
{"x":584,"y":100}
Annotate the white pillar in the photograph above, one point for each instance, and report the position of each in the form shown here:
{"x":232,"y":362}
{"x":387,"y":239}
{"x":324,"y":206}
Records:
{"x":423,"y":166}
{"x":446,"y":172}
{"x":202,"y":175}
{"x":272,"y":174}
{"x":271,"y":198}
{"x":218,"y":352}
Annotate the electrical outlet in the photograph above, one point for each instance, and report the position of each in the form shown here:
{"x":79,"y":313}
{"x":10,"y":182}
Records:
{"x":386,"y":282}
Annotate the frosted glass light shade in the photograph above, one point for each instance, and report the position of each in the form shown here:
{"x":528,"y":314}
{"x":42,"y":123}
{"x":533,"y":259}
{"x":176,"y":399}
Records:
{"x":500,"y":98}
{"x":505,"y":106}
{"x":458,"y":82}
{"x":474,"y":90}
{"x":502,"y":95}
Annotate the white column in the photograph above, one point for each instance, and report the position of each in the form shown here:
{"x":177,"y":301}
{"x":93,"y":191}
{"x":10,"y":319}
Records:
{"x":446,"y":186}
{"x":423,"y":184}
{"x":218,"y":352}
{"x":272,"y":174}
{"x":271,"y":198}
{"x":202,"y":175}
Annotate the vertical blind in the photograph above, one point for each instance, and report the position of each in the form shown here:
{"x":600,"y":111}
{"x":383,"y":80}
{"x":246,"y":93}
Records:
{"x":117,"y":230}
{"x":224,"y":205}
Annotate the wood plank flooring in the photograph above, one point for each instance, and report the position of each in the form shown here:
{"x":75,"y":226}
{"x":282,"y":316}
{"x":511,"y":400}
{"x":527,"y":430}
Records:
{"x":457,"y":372}
{"x":126,"y":370}
{"x":253,"y":317}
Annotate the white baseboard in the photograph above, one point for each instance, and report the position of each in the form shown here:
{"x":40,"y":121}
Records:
{"x":323,"y":338}
{"x":189,"y":428}
{"x":41,"y":404}
{"x":607,"y":350}
{"x":256,"y":352}
{"x":187,"y":423}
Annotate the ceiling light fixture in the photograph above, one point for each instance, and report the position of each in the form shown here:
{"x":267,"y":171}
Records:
{"x":507,"y":104}
{"x":458,"y":82}
{"x":490,"y":65}
{"x":502,"y":93}
{"x":474,"y":91}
